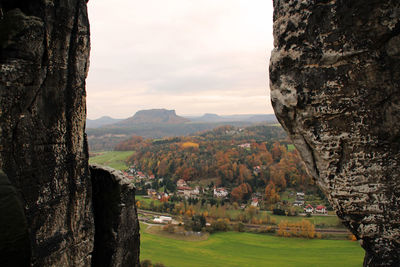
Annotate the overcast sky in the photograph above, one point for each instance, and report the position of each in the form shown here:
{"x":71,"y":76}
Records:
{"x":208,"y":56}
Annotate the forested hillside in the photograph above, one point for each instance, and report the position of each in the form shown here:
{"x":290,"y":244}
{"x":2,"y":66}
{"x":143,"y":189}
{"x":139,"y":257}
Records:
{"x":253,"y":158}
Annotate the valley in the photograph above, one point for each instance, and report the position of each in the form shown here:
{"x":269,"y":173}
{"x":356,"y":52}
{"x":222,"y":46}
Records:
{"x":229,"y":183}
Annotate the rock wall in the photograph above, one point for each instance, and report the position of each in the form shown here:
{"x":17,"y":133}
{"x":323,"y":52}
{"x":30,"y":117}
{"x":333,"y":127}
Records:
{"x":117,"y":238}
{"x":44,"y":59}
{"x":335,"y":88}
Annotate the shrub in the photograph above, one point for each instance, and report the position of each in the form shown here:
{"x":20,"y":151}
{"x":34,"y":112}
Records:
{"x":299,"y":229}
{"x":221,"y":225}
{"x":278,"y":211}
{"x":352,"y":237}
{"x":198,"y":222}
{"x":267,"y":229}
{"x":169,"y":228}
{"x":239,"y":227}
{"x":146,"y":263}
{"x":292,"y":212}
{"x":266,"y":220}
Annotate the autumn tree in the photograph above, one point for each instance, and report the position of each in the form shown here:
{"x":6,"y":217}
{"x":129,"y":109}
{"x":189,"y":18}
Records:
{"x":303,"y":229}
{"x":244,"y":173}
{"x":277,"y":151}
{"x":271,"y":194}
{"x":242,"y":192}
{"x":130,"y":144}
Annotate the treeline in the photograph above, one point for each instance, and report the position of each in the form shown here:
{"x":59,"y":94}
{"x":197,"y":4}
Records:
{"x":105,"y":138}
{"x":241,"y":159}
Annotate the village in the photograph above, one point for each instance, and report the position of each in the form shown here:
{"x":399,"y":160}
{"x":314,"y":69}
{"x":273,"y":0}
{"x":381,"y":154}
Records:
{"x":148,"y":185}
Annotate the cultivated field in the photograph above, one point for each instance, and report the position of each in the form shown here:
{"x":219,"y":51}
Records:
{"x":113,"y":159}
{"x":246,"y":249}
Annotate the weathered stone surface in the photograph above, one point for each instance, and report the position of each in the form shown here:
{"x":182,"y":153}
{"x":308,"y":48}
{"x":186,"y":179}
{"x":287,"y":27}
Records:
{"x":117,"y":227}
{"x":335,"y":87}
{"x":44,"y":50}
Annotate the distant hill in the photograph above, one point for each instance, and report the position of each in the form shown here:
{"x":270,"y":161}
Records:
{"x":208,"y":117}
{"x":159,"y":123}
{"x":264,"y":118}
{"x":249,"y":118}
{"x":152,"y":116}
{"x":100,"y":122}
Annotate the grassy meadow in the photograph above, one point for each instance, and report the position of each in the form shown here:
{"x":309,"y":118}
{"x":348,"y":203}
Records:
{"x":247,"y":249}
{"x":113,"y":159}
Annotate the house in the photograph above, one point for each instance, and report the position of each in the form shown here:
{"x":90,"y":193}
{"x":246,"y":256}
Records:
{"x":141,"y":175}
{"x":320,"y":209}
{"x":245,"y":145}
{"x":195,"y":192}
{"x":257,"y":170}
{"x":254,"y":202}
{"x":181,"y":183}
{"x":309,"y":209}
{"x":132,"y":170}
{"x":152,"y":193}
{"x":298,"y":203}
{"x":299,"y":196}
{"x":162,"y":219}
{"x":183,"y":188}
{"x":220,"y":192}
{"x":127,"y":175}
{"x":184,"y":191}
{"x":188,"y":192}
{"x":152,"y":177}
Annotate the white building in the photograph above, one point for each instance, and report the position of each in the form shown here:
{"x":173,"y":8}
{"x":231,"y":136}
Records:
{"x":162,"y":219}
{"x":220,"y":192}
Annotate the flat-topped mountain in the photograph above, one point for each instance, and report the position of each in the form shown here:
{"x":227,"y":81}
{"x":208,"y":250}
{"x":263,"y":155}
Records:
{"x":151,"y":116}
{"x":159,"y":123}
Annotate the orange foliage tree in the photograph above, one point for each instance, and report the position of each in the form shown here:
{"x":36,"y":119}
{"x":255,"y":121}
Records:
{"x":303,"y":229}
{"x":271,"y":193}
{"x":242,"y":192}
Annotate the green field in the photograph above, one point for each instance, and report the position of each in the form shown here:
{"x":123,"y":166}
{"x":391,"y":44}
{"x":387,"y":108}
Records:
{"x":246,"y":249}
{"x":290,"y":147}
{"x":147,"y":201}
{"x":113,"y":159}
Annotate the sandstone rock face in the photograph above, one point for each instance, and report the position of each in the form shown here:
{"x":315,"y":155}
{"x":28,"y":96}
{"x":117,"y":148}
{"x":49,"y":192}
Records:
{"x":44,"y":61}
{"x":116,"y":239}
{"x":45,"y":190}
{"x":335,"y":87}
